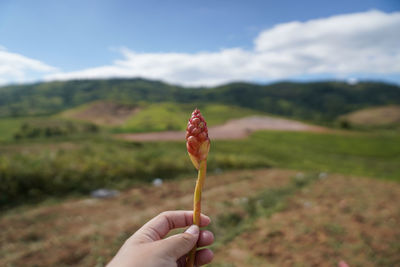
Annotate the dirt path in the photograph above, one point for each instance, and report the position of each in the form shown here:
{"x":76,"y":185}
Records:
{"x":233,"y":129}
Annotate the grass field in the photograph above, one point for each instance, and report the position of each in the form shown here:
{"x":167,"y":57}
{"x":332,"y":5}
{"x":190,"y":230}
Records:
{"x":375,"y":155}
{"x":173,"y":116}
{"x":56,"y":167}
{"x":8,"y":127}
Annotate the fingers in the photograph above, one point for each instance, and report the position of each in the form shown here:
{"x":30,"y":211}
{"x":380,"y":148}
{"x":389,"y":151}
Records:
{"x":203,"y":256}
{"x":160,"y":225}
{"x":206,"y":238}
{"x":178,"y":245}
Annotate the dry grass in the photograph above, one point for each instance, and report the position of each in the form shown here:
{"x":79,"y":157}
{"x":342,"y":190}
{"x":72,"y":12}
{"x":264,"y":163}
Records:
{"x":379,"y":116}
{"x":87,"y":232}
{"x":102,"y":113}
{"x":336,"y":218}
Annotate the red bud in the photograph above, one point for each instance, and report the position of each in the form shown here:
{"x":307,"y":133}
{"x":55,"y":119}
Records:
{"x":197,"y":141}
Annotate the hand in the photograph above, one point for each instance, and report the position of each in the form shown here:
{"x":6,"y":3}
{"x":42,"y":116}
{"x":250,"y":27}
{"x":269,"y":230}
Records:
{"x":147,"y":248}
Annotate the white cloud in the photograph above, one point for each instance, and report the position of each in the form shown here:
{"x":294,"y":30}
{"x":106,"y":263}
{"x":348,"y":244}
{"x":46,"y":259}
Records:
{"x":17,"y":68}
{"x":360,"y":42}
{"x":341,"y":45}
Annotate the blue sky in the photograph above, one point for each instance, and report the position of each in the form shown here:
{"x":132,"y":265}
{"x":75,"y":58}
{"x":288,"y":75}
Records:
{"x":47,"y":40}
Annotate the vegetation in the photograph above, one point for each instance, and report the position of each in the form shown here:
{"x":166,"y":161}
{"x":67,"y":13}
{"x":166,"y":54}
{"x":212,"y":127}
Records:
{"x":319,"y":101}
{"x":230,"y":224}
{"x":172,"y":116}
{"x":376,"y":155}
{"x":62,"y":166}
{"x":49,"y":150}
{"x":9,"y":127}
{"x":259,"y":217}
{"x":53,"y":128}
{"x":80,"y":156}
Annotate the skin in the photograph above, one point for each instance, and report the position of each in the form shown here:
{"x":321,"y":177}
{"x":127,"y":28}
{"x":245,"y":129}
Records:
{"x":148,"y":247}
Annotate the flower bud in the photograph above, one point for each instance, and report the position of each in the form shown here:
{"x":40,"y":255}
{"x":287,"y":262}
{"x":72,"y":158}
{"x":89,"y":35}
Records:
{"x":197,"y":141}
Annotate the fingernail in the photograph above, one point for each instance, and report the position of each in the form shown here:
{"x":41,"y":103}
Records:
{"x":193,"y":230}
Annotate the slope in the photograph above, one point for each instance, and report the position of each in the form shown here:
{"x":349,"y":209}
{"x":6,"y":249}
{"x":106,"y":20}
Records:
{"x":377,"y":116}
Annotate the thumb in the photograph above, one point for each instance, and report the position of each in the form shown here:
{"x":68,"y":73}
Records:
{"x":178,"y":245}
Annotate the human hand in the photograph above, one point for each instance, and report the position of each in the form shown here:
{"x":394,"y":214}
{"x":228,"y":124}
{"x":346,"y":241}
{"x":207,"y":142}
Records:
{"x":147,"y":248}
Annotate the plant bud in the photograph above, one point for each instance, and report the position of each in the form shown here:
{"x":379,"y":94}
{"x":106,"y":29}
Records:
{"x":197,"y":141}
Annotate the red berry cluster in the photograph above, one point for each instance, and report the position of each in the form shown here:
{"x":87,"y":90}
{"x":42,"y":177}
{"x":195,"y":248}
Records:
{"x":196,"y":134}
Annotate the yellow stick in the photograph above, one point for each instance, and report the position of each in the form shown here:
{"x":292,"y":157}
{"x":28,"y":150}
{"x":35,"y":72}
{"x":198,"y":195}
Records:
{"x":197,"y":207}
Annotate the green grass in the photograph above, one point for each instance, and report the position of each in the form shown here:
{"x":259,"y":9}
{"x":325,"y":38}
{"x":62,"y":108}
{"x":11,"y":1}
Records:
{"x":33,"y":170}
{"x":173,"y":116}
{"x":375,"y":155}
{"x":10,"y":126}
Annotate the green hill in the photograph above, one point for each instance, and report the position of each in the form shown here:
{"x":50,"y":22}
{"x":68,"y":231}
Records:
{"x":147,"y":117}
{"x":318,"y":101}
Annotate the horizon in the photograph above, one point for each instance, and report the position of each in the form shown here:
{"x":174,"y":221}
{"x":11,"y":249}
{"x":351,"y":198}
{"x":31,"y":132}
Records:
{"x":200,"y":45}
{"x":348,"y":81}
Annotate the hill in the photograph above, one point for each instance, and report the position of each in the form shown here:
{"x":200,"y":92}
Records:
{"x":151,"y":117}
{"x":376,"y":116}
{"x":317,"y":101}
{"x":103,"y":113}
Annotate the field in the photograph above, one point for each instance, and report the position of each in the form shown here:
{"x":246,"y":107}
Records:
{"x":56,"y":167}
{"x":267,"y":217}
{"x":280,"y":192}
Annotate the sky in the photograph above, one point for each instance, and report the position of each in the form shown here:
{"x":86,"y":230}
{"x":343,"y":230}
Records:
{"x":200,"y":43}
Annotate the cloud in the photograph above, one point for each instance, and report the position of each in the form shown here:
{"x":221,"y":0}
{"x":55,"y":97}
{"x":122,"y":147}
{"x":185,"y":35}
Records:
{"x":205,"y":68}
{"x":17,"y":68}
{"x":340,"y":46}
{"x":360,"y":42}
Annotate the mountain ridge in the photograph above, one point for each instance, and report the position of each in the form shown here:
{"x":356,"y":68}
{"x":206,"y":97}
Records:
{"x":319,"y":101}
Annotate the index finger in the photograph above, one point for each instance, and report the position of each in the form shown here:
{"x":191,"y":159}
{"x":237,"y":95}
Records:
{"x":158,"y":227}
